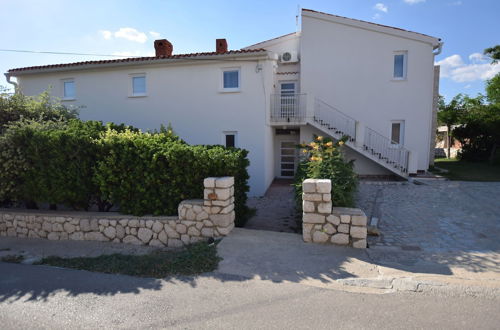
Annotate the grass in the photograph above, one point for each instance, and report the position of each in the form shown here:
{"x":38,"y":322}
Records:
{"x":467,"y":171}
{"x":193,"y":260}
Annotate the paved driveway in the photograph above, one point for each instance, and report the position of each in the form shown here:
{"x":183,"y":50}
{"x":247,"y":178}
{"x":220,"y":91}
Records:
{"x":437,"y":216}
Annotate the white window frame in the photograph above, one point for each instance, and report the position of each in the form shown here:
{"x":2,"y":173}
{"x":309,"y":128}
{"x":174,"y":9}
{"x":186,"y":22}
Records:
{"x":63,"y":89}
{"x":230,"y":90}
{"x":405,"y":65}
{"x":131,"y":84}
{"x":235,"y":133}
{"x":401,"y":133}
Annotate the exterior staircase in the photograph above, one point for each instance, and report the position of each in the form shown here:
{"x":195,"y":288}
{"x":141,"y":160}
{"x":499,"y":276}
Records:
{"x":337,"y":124}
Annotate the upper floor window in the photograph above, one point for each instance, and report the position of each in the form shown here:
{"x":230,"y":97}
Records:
{"x":69,"y":92}
{"x":138,"y":85}
{"x":400,"y":59}
{"x":231,"y":80}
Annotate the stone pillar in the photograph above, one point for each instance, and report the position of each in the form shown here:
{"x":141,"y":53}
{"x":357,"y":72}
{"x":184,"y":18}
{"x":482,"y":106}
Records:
{"x":218,"y":202}
{"x":316,"y":206}
{"x":322,"y":223}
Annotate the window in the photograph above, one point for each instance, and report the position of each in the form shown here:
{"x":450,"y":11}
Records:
{"x":231,"y":80}
{"x":397,"y":132}
{"x":138,"y":85}
{"x":230,"y":139}
{"x":69,"y":92}
{"x":400,"y":65}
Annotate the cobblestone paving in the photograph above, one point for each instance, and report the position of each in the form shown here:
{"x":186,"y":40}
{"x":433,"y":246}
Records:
{"x":276,"y":210}
{"x":437,"y":216}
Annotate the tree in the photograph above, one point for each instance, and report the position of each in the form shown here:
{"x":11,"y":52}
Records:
{"x":493,"y":53}
{"x":493,"y":89}
{"x":449,"y":115}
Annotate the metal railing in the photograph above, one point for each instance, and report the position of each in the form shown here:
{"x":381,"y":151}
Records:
{"x":289,"y":108}
{"x":389,"y":151}
{"x":334,"y":120}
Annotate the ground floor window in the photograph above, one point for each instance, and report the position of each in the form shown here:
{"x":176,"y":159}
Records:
{"x":397,"y":132}
{"x":230,"y":138}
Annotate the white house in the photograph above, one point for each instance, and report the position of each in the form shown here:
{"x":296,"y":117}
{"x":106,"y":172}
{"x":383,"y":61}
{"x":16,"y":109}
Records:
{"x":337,"y":76}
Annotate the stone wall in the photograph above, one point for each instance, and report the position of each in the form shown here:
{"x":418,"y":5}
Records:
{"x":322,"y":223}
{"x":198,"y":220}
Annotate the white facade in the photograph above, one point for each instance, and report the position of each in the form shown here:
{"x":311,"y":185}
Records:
{"x":345,"y":63}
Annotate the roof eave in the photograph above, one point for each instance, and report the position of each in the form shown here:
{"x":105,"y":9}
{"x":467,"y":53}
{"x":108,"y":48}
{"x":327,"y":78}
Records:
{"x":264,"y":54}
{"x":373,"y":27}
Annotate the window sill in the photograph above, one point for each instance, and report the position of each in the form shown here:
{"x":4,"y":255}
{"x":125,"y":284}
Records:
{"x":68,"y":99}
{"x":230,"y":90}
{"x":399,"y":79}
{"x":137,"y":95}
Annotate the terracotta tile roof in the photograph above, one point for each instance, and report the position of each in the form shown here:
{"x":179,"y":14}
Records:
{"x":358,"y":20}
{"x":136,"y":59}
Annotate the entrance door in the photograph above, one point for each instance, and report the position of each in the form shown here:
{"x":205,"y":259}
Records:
{"x":288,"y":91}
{"x":288,"y":159}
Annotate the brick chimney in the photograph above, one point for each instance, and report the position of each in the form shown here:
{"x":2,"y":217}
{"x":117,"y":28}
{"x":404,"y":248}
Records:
{"x":220,"y":46}
{"x":163,"y":48}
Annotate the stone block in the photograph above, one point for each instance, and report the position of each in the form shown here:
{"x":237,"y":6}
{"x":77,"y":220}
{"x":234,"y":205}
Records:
{"x":345,"y":218}
{"x":110,"y":232}
{"x":306,"y":232}
{"x":95,"y":236}
{"x":53,"y":236}
{"x":340,"y":239}
{"x":76,"y":236}
{"x":324,"y":186}
{"x":329,"y":229}
{"x":120,"y":232}
{"x":104,"y":222}
{"x":359,"y":244}
{"x":313,"y":218}
{"x":224,"y":182}
{"x":94,"y":225}
{"x":57,"y":227}
{"x":343,"y":228}
{"x":162,"y":236}
{"x":129,"y":239}
{"x":309,"y":186}
{"x":190,"y":215}
{"x":308,"y":206}
{"x":223,"y":220}
{"x":133,"y":223}
{"x":208,"y":223}
{"x":225,"y":230}
{"x":185,"y":239}
{"x":157,"y":227}
{"x":149,"y":224}
{"x":223,"y":193}
{"x":192,"y":231}
{"x":221,"y":203}
{"x":180,"y":228}
{"x":201,"y":216}
{"x":320,"y":237}
{"x":209,"y":182}
{"x":333,"y":219}
{"x":227,"y":209}
{"x":69,"y":228}
{"x":171,"y":232}
{"x":327,"y":197}
{"x":207,"y":232}
{"x":359,"y":220}
{"x":325,"y":208}
{"x":156,"y":243}
{"x":47,"y":226}
{"x":312,"y":197}
{"x":145,"y":234}
{"x":358,"y":232}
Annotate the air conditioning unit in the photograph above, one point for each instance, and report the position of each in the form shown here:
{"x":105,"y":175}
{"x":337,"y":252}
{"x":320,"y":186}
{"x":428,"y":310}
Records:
{"x":289,"y":57}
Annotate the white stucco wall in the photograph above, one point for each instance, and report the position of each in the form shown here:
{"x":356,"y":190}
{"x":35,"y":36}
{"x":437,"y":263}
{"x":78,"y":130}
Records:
{"x":351,"y":68}
{"x":188,"y":96}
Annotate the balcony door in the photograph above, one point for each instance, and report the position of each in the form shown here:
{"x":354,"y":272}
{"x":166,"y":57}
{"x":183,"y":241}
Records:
{"x":288,"y":99}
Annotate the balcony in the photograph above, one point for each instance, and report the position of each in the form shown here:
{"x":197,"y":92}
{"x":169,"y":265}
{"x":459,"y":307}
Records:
{"x":289,"y":109}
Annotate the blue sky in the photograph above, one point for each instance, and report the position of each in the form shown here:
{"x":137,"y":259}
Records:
{"x":129,"y":27}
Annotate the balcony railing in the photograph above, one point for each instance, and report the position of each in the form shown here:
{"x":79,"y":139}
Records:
{"x":386,"y":150}
{"x":290,"y":108}
{"x":334,"y":120}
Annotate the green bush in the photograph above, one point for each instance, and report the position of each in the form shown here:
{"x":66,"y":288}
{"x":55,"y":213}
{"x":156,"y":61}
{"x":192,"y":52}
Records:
{"x":40,"y":108}
{"x":148,"y":173}
{"x":324,"y":160}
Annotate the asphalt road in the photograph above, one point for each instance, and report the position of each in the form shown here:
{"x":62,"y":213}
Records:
{"x":39,"y":297}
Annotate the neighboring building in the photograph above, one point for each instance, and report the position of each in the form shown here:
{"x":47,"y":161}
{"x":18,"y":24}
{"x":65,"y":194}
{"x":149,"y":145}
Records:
{"x":442,"y":142}
{"x":337,"y":76}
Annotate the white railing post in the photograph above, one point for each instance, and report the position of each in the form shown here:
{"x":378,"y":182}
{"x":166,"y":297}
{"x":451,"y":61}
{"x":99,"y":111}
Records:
{"x":360,"y":134}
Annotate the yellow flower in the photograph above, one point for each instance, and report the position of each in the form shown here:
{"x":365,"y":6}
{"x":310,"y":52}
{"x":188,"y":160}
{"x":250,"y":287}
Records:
{"x":341,"y":143}
{"x":312,"y":144}
{"x":319,"y":138}
{"x":304,"y":151}
{"x":316,"y":147}
{"x":329,"y":144}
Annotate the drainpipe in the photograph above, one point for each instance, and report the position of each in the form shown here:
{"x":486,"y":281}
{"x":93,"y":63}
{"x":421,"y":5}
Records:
{"x":439,"y":49}
{"x":8,"y":77}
